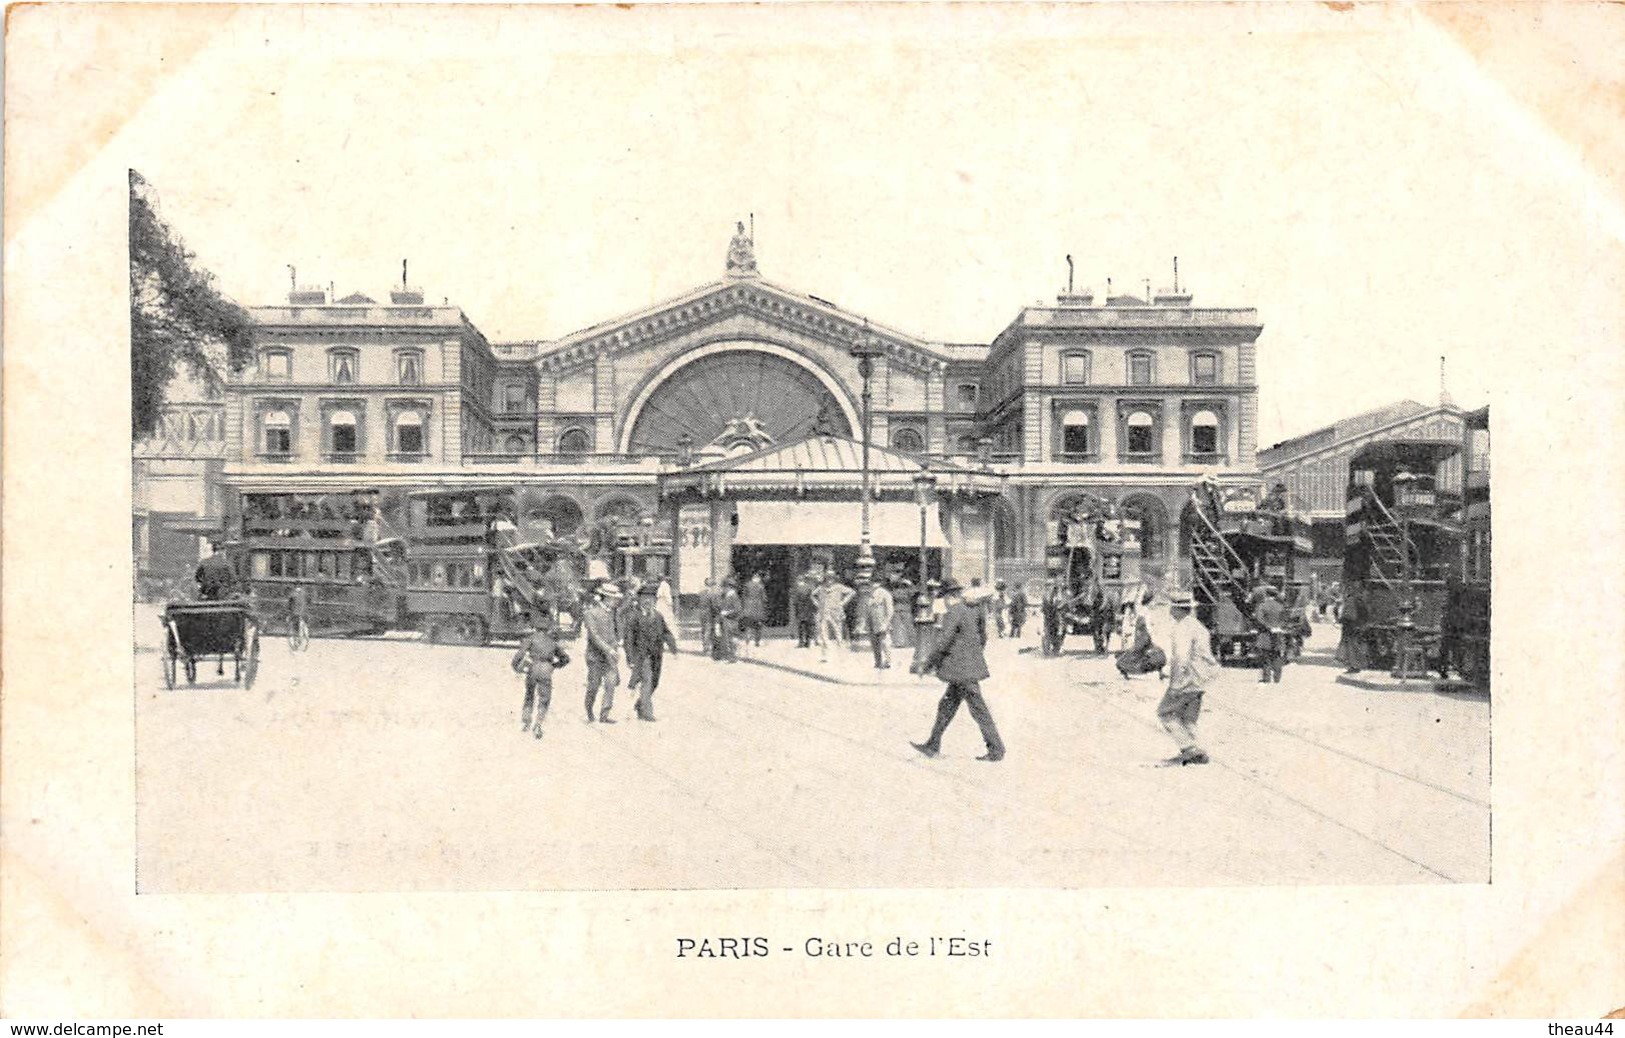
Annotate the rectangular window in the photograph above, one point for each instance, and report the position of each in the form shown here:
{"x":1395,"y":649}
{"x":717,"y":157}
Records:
{"x":513,"y":400}
{"x":1139,"y":369}
{"x":279,"y":440}
{"x":1075,"y":369}
{"x":277,"y":365}
{"x":342,"y":365}
{"x":262,"y":564}
{"x":1205,"y":369}
{"x":409,"y":367}
{"x":967,"y":396}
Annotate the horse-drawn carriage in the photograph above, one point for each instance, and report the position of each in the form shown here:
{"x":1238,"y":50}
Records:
{"x":211,"y":630}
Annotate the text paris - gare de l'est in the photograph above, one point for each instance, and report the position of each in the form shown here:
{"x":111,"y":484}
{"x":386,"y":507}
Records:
{"x":819,"y":948}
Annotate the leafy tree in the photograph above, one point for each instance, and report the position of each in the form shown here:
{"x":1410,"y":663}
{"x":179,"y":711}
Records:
{"x":178,"y":319}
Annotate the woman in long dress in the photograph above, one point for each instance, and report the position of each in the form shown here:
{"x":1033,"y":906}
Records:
{"x":1143,"y":654}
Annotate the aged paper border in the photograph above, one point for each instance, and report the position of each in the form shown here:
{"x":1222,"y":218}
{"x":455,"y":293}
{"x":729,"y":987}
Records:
{"x":1544,"y":939}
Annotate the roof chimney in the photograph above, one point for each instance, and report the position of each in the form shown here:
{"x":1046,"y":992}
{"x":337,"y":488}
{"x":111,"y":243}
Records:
{"x":1070,"y":298}
{"x":406,"y":295}
{"x":1173,"y":296}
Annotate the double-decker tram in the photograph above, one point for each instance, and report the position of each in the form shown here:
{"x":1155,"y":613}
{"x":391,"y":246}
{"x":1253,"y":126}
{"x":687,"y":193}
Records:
{"x":1400,"y":555}
{"x":479,"y":565}
{"x":319,"y":542}
{"x":1241,"y":540}
{"x":1467,"y":600}
{"x":456,"y":565}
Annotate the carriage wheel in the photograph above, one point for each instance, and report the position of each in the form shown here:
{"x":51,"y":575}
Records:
{"x":251,"y":659}
{"x":169,"y":670}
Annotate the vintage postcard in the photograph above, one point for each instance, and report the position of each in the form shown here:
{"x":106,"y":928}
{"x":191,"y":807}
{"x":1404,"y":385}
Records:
{"x":832,"y":497}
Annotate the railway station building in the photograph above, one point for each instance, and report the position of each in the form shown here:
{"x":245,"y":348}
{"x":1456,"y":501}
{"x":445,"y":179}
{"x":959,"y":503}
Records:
{"x":1314,"y":467}
{"x":720,"y":430}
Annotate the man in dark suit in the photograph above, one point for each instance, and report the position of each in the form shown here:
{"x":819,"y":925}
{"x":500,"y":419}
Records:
{"x":956,"y":656}
{"x":1270,"y":616}
{"x":646,"y":640}
{"x":710,"y":604}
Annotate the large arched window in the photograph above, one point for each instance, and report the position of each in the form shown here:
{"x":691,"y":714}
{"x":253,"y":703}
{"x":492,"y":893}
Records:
{"x":1075,"y":439}
{"x":278,"y":433}
{"x":409,"y":433}
{"x":907,"y":439}
{"x":1142,"y":434}
{"x":1204,"y":433}
{"x":574,"y":441}
{"x":342,"y":437}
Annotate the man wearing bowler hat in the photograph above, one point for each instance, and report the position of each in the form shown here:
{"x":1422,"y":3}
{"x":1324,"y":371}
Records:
{"x":956,"y":656}
{"x":647,"y":639}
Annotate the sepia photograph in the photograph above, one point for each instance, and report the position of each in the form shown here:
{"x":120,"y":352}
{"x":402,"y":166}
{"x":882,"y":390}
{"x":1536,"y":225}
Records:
{"x":403,"y":536}
{"x":928,"y":449}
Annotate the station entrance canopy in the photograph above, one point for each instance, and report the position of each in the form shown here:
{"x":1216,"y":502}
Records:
{"x":892,"y":524}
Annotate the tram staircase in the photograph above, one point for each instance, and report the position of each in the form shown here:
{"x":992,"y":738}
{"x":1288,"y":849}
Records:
{"x":511,"y":560}
{"x":1389,"y":545}
{"x":390,"y":572}
{"x":1213,"y":561}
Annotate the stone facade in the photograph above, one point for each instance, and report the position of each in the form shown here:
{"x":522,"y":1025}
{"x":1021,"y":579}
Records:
{"x":1128,"y":403}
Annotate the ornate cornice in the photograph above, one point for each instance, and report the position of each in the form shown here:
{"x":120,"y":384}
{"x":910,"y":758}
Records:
{"x":744,"y":297}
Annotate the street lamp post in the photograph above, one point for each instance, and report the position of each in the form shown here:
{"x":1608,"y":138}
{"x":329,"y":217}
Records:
{"x":925,"y":483}
{"x":865,"y":349}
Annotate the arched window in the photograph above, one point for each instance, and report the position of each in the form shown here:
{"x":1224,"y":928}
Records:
{"x":1142,"y":433}
{"x":343,"y":366}
{"x":1205,"y":433}
{"x":907,"y":439}
{"x":1141,"y":369}
{"x":1075,"y":432}
{"x":341,"y":433}
{"x":1075,"y":368}
{"x":409,"y":433}
{"x":515,"y":444}
{"x":278,"y":433}
{"x":1205,"y":369}
{"x":574,"y":441}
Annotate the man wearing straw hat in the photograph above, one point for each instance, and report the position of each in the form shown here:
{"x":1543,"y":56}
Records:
{"x":1190,"y":667}
{"x":603,"y":641}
